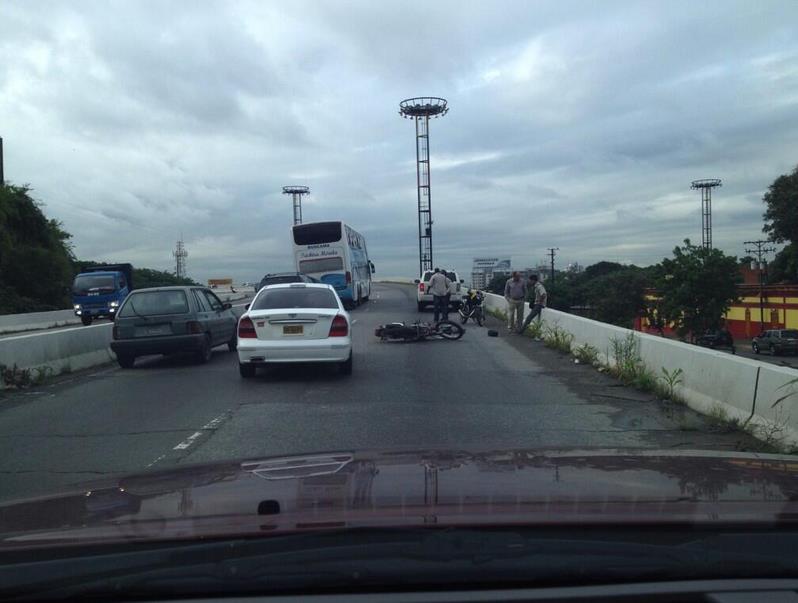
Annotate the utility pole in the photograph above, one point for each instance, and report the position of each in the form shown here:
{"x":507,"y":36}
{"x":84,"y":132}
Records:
{"x":760,"y":249}
{"x":180,"y":254}
{"x":552,"y":252}
{"x":2,"y":176}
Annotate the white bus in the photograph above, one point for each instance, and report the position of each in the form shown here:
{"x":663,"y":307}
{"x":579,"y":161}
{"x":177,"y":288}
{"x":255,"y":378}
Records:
{"x":335,"y":254}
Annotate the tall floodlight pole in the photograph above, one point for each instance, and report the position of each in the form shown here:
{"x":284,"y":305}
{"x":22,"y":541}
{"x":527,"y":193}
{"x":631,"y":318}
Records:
{"x":706,"y":186}
{"x":420,"y":109}
{"x":296,"y":193}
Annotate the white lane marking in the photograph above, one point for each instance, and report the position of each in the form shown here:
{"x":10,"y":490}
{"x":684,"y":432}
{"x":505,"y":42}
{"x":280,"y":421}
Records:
{"x":156,"y":460}
{"x":188,"y":441}
{"x":209,"y":426}
{"x":54,"y":331}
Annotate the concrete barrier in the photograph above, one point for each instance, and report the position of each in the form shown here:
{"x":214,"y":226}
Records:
{"x":60,"y":351}
{"x":713,"y":381}
{"x":15,"y":323}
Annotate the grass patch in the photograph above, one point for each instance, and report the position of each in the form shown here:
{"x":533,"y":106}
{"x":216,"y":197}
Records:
{"x":586,"y":354}
{"x":535,"y":330}
{"x":558,"y":339}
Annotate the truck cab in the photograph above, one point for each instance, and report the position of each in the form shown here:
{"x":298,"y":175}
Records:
{"x":97,"y":292}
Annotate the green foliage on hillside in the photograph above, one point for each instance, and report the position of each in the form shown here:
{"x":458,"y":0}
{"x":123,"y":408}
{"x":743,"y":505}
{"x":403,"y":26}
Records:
{"x":35,"y":255}
{"x":143,"y":277}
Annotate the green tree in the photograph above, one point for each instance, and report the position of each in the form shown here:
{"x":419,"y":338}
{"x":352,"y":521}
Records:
{"x":142,"y":277}
{"x":784,"y":267}
{"x":781,"y":212}
{"x":697,"y":287}
{"x":496,"y":284}
{"x":618,"y":297}
{"x":35,"y":255}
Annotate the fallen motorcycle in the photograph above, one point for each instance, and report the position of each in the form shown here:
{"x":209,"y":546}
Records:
{"x":419,"y":331}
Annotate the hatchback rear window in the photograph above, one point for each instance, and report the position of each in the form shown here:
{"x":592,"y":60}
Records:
{"x":295,"y":297}
{"x":154,"y":303}
{"x":276,"y":280}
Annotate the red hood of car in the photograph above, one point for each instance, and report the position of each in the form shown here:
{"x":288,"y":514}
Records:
{"x":342,"y":490}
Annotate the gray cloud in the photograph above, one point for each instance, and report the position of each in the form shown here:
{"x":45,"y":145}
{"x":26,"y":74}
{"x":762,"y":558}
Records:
{"x":572,"y":124}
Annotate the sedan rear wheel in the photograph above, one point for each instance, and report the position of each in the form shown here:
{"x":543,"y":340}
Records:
{"x":247,"y":371}
{"x":346,"y":366}
{"x":205,"y":352}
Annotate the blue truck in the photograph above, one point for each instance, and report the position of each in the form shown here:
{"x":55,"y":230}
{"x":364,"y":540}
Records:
{"x":98,"y":291}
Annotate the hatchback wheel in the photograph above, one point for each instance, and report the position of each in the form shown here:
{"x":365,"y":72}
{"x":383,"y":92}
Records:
{"x":205,"y":352}
{"x":755,"y":347}
{"x":247,"y":371}
{"x":233,"y":343}
{"x":126,"y":361}
{"x":346,"y":366}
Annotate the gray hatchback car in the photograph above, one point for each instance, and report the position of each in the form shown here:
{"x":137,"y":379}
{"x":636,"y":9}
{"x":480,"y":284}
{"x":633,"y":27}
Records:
{"x":171,"y":320}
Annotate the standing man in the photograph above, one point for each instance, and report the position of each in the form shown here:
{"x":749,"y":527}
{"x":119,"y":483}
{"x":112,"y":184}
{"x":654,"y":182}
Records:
{"x":515,"y":294}
{"x":439,"y":287}
{"x":541,"y":297}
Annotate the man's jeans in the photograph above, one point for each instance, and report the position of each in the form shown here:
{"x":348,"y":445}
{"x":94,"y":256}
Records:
{"x":515,"y":313}
{"x":536,"y":310}
{"x":440,"y":307}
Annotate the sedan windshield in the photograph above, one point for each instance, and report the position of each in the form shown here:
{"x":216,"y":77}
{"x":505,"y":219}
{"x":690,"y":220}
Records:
{"x":295,"y":297}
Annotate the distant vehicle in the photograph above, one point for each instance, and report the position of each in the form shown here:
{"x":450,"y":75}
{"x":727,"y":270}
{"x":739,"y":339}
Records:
{"x":424,"y":298}
{"x":336,"y":255}
{"x":98,"y":291}
{"x":284,"y":277}
{"x":296,"y":322}
{"x":171,"y":320}
{"x":717,"y":339}
{"x":776,"y":341}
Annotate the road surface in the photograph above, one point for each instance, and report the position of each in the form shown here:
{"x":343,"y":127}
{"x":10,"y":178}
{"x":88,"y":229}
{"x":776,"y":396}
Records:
{"x":479,"y":393}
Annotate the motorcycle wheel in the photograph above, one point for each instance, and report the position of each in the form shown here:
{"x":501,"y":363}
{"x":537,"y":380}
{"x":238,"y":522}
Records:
{"x":449,"y":330}
{"x":463,"y":317}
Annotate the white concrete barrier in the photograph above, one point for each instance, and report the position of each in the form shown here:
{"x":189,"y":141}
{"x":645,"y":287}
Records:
{"x":402,"y":280}
{"x":713,"y":381}
{"x":61,"y":351}
{"x":31,"y":321}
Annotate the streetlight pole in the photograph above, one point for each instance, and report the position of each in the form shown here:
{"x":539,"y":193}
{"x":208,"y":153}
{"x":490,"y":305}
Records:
{"x":760,"y":250}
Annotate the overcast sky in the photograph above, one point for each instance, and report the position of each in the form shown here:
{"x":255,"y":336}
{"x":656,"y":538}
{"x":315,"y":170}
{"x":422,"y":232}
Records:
{"x":578,"y":125}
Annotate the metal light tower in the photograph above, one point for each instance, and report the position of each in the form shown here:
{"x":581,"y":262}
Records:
{"x":706,"y":186}
{"x":296,"y":193}
{"x":180,"y":254}
{"x":420,"y":109}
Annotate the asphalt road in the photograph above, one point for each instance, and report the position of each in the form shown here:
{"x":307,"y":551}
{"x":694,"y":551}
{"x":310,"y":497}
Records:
{"x":477,"y":393}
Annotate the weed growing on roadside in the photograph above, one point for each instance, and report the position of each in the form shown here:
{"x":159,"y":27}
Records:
{"x":671,"y":379}
{"x":558,"y":339}
{"x":535,"y":329}
{"x":40,"y":374}
{"x":645,"y":380}
{"x":66,"y":369}
{"x":16,"y":377}
{"x":626,"y":359}
{"x":587,"y":354}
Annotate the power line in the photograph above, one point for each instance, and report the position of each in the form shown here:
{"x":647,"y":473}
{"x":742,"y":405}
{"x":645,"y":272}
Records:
{"x":552,"y":252}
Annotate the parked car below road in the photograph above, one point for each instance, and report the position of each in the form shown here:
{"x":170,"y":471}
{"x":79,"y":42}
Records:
{"x":171,"y":320}
{"x":717,"y":339}
{"x":296,"y":322}
{"x":776,"y":341}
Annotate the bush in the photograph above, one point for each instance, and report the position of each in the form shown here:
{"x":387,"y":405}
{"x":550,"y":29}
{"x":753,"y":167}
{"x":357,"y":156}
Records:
{"x":558,"y":339}
{"x":586,"y":354}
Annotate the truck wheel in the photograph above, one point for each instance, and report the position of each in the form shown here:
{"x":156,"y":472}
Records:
{"x":126,"y":361}
{"x":86,"y":320}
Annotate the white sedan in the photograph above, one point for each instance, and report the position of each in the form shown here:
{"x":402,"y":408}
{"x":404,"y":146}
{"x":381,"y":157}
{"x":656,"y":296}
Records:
{"x":294,"y":322}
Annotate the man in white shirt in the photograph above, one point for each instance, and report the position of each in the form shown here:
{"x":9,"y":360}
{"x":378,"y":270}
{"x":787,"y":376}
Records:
{"x":439,"y":287}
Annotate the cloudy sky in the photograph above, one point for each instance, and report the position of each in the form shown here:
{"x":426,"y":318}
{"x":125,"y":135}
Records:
{"x":578,"y":125}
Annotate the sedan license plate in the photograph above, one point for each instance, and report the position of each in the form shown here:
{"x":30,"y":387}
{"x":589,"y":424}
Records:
{"x":292,"y":330}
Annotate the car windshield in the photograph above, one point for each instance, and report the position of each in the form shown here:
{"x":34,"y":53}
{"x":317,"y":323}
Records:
{"x":87,"y":282}
{"x":219,"y":221}
{"x":154,"y":303}
{"x":294,"y":297}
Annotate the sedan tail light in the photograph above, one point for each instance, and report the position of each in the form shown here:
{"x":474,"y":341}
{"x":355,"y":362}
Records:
{"x":246,"y":330}
{"x":192,"y":326}
{"x":421,"y":287}
{"x":339,"y":327}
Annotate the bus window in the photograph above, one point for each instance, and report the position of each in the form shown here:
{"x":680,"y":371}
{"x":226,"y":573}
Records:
{"x":319,"y":232}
